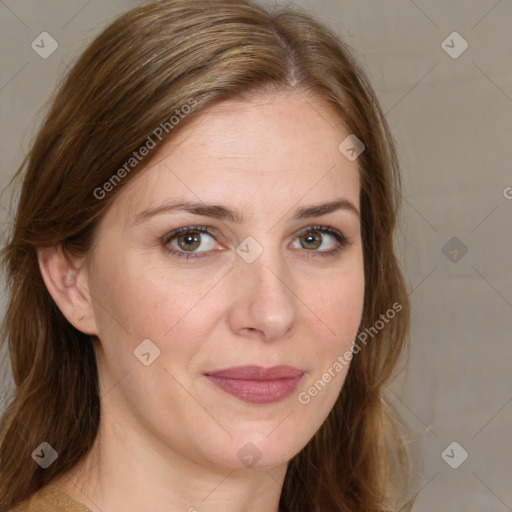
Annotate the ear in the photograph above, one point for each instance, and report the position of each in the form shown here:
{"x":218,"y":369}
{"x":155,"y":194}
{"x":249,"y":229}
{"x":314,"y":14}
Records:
{"x":67,"y":283}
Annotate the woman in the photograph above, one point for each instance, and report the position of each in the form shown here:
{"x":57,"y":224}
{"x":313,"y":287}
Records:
{"x":205,"y":304}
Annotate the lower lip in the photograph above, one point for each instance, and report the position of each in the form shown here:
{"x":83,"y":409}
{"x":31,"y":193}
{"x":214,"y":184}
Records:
{"x":257,"y":391}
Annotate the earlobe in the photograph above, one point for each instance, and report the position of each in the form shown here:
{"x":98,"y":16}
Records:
{"x":66,"y":282}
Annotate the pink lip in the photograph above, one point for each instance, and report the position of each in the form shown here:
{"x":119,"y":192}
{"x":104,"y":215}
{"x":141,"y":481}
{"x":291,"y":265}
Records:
{"x":257,"y":385}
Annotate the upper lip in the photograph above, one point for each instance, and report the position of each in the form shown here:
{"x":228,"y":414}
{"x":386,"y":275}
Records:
{"x":257,"y":373}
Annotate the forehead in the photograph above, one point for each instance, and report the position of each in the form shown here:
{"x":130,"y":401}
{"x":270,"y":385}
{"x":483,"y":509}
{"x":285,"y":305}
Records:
{"x":273,"y":147}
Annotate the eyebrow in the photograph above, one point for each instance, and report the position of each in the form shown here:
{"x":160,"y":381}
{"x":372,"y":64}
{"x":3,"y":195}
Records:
{"x":221,"y":212}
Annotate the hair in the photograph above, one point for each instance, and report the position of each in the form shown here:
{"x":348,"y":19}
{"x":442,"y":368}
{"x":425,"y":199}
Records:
{"x":143,"y":68}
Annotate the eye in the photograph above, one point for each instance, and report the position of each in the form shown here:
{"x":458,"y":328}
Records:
{"x":324,"y":240}
{"x":187,"y":241}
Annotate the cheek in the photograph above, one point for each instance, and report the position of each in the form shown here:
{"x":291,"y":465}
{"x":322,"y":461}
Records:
{"x":339,"y":309}
{"x":137,"y":301}
{"x":141,"y":297}
{"x":338,"y":304}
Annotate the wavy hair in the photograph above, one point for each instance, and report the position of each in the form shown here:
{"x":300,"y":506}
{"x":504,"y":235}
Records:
{"x":129,"y":81}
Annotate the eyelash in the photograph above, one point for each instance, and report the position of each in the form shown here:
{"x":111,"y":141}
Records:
{"x":340,"y":238}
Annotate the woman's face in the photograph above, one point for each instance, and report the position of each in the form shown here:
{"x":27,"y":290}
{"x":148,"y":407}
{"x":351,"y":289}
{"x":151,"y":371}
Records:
{"x":258,"y":278}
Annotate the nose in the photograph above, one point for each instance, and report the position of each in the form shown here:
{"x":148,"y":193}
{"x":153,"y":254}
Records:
{"x":263,"y":305}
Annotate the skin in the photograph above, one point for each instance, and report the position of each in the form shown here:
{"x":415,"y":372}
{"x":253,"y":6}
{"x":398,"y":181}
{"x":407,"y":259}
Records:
{"x":168,"y":438}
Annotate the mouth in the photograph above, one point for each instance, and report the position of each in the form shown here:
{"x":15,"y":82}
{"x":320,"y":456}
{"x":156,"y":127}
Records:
{"x":256,"y":384}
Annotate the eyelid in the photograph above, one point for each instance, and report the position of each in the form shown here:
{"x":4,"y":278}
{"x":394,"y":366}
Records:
{"x":327,"y":229}
{"x":214,"y":233}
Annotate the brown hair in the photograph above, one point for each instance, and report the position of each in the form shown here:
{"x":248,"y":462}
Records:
{"x":140,"y":70}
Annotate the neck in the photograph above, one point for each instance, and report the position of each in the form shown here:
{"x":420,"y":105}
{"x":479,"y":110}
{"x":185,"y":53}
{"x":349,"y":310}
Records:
{"x":124,"y":471}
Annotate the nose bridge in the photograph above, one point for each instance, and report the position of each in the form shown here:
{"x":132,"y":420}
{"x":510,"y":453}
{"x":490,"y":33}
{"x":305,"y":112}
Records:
{"x":266,"y":302}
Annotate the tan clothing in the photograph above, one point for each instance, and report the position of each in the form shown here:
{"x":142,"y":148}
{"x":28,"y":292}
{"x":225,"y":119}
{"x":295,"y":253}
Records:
{"x":51,"y":499}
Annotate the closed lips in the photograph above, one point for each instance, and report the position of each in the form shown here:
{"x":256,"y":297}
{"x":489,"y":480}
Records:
{"x":258,"y":373}
{"x":256,"y":384}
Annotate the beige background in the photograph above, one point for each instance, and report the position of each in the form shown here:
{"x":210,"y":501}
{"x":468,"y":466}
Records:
{"x":452,"y":118}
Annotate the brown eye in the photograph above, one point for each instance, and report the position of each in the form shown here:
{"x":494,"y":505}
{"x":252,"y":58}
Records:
{"x":189,"y":241}
{"x":320,"y":241}
{"x":311,"y":240}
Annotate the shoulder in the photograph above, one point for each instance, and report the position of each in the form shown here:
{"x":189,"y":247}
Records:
{"x":51,"y":499}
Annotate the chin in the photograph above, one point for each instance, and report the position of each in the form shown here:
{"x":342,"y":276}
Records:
{"x":247,"y":454}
